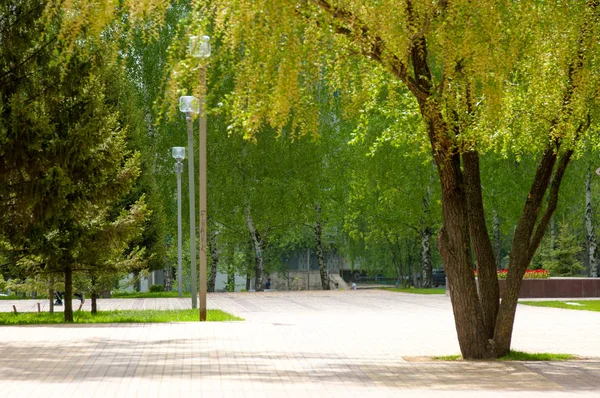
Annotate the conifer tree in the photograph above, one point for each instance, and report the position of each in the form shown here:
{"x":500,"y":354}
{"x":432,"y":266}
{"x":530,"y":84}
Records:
{"x":63,"y":159}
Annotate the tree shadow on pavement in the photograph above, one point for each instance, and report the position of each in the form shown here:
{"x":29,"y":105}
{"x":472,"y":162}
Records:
{"x":103,"y":359}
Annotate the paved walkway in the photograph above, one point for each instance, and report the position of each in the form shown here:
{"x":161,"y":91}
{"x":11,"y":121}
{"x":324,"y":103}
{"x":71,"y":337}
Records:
{"x":295,"y":344}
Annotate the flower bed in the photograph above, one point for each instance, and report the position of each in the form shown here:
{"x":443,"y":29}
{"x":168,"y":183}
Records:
{"x":529,"y":274}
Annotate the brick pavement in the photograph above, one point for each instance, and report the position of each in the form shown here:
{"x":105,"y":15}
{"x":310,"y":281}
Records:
{"x":295,"y":344}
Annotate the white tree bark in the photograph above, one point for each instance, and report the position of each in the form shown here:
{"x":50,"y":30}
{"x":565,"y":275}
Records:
{"x":426,"y":256}
{"x":168,"y":279}
{"x":426,"y":268}
{"x":497,"y":241}
{"x":590,"y":230}
{"x":257,"y":243}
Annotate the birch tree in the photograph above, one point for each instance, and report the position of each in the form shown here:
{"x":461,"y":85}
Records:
{"x":590,"y":228}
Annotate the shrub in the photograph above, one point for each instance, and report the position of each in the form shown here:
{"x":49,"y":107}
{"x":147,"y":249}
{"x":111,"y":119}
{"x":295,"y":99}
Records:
{"x":157,"y":288}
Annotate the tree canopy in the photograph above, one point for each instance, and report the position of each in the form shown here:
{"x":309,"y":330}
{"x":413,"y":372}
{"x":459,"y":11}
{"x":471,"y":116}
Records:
{"x":512,"y":77}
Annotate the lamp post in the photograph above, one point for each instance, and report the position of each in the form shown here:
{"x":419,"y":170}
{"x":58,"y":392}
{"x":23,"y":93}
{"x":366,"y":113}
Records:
{"x":190,"y":105}
{"x":178,"y":154}
{"x":200,"y":48}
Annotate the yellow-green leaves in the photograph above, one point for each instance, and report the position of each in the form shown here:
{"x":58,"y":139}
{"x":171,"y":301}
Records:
{"x":500,"y":71}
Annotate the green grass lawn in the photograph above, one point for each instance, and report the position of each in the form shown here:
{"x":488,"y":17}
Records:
{"x":13,"y":297}
{"x":127,"y":316}
{"x":113,"y":295}
{"x":434,"y":290}
{"x":585,"y":305}
{"x":149,"y":295}
{"x":519,"y":356}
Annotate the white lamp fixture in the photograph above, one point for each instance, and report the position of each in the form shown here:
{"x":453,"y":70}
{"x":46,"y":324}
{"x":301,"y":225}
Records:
{"x":199,"y":46}
{"x":189,"y":104}
{"x":178,"y":153}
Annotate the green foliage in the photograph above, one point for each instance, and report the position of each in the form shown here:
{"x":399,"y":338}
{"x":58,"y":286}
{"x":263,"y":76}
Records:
{"x":538,"y":356}
{"x":157,"y":288}
{"x":519,"y":356}
{"x":162,"y":294}
{"x":448,"y":358}
{"x":127,"y":316}
{"x":563,"y":259}
{"x":64,"y":154}
{"x":497,"y":62}
{"x":416,"y":290}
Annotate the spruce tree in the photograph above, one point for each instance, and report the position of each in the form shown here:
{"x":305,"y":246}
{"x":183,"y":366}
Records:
{"x":63,"y":156}
{"x":563,"y":260}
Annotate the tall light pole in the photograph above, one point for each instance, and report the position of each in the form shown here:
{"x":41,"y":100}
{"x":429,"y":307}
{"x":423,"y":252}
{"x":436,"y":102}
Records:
{"x":200,"y":48}
{"x":190,"y":105}
{"x":178,"y":154}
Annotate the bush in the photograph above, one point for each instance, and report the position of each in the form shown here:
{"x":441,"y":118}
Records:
{"x":157,"y":288}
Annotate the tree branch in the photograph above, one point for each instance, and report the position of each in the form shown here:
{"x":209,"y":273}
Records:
{"x":375,"y":48}
{"x":552,"y":202}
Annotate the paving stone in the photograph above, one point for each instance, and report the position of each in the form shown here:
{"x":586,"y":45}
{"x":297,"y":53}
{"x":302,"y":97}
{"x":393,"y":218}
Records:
{"x":295,"y":344}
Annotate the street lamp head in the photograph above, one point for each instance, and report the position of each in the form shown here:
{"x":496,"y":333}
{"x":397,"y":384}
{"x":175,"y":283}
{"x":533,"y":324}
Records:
{"x":189,"y":104}
{"x":178,"y":153}
{"x":200,"y":46}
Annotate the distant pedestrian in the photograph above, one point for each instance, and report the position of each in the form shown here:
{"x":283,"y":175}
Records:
{"x":268,"y":284}
{"x":58,"y":297}
{"x":80,"y":296}
{"x":353,"y":284}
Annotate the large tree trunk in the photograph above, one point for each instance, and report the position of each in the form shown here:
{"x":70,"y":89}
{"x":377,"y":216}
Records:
{"x":68,"y":299}
{"x":590,"y":230}
{"x":483,"y":331}
{"x":257,"y":244}
{"x":485,"y":260}
{"x":319,"y":249}
{"x":479,"y":335}
{"x":455,"y":247}
{"x":214,"y":254}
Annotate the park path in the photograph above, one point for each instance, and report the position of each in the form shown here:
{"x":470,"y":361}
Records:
{"x":338,"y":343}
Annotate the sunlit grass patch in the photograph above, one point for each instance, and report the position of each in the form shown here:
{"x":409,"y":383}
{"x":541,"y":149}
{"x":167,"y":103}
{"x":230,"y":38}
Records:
{"x":118,"y":316}
{"x":536,"y":356}
{"x":518,"y":356}
{"x":434,"y":290}
{"x":149,"y":295}
{"x":586,"y":305}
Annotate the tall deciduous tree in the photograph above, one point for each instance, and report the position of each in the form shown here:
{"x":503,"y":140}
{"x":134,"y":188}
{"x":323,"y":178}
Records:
{"x":508,"y":76}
